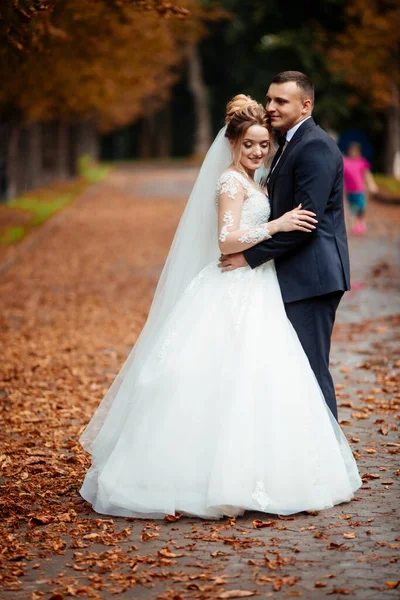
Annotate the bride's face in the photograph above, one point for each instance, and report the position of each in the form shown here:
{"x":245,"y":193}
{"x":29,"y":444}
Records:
{"x":254,"y":147}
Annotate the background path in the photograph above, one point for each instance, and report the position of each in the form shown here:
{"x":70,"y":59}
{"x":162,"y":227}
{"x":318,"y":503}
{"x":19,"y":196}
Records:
{"x":72,"y":305}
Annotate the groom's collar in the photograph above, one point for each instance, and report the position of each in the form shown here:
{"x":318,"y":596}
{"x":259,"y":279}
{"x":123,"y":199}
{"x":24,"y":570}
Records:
{"x":292,"y":131}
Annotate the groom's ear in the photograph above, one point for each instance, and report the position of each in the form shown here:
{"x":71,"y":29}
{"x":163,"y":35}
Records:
{"x":307,"y":106}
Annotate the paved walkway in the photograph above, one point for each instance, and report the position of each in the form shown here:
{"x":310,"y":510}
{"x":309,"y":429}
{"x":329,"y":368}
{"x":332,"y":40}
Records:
{"x":72,"y":304}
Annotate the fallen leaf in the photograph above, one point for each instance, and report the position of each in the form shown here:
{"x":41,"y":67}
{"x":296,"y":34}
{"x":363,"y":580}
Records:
{"x":393,"y":584}
{"x":236,"y":594}
{"x":166,"y":553}
{"x":146,"y":536}
{"x":173,"y":518}
{"x":257,"y":524}
{"x":335,"y":546}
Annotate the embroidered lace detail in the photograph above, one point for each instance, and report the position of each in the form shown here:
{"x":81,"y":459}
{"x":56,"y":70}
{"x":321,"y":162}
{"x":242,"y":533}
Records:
{"x":228,"y":220}
{"x":256,"y":235}
{"x":229,"y":184}
{"x":256,"y":209}
{"x":260,"y":496}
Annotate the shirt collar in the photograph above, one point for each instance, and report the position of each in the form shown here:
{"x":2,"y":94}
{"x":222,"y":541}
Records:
{"x":292,"y":131}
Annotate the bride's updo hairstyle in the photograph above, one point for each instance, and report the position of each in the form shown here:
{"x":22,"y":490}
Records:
{"x":241,"y":113}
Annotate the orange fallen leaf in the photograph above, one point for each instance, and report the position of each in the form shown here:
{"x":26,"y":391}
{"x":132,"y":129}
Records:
{"x":368,"y":476}
{"x":166,"y":553}
{"x":349,"y":536}
{"x":146,"y":536}
{"x":258,"y":524}
{"x":173,"y":518}
{"x":393,"y":584}
{"x":41,"y":519}
{"x":335,"y":546}
{"x":320,"y":584}
{"x":236,"y":594}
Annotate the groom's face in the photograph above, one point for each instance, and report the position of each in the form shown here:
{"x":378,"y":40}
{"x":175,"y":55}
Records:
{"x":285,"y":105}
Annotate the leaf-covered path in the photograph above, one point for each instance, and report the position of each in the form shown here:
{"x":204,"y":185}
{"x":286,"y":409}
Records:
{"x":72,"y":304}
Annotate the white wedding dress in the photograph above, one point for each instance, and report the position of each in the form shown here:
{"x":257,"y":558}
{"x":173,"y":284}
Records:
{"x":226,"y":414}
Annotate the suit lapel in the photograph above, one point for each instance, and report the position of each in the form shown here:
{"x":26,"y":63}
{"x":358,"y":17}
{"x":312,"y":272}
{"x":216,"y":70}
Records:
{"x":291,"y":145}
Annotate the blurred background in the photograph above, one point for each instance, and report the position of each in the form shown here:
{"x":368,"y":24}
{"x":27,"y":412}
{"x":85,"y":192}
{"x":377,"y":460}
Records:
{"x":122,"y":80}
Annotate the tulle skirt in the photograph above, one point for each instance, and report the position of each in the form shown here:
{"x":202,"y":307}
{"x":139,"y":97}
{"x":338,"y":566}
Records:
{"x":225,"y":416}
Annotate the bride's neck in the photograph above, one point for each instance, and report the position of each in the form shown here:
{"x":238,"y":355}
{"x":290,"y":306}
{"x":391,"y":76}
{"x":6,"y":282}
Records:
{"x":243,"y":170}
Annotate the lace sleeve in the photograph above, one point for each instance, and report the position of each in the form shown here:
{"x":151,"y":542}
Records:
{"x":232,"y":191}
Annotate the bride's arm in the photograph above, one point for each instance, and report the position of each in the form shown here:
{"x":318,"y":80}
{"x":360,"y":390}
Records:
{"x":231,"y":239}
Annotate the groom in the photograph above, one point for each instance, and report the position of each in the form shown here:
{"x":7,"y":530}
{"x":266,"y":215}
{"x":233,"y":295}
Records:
{"x":313,"y":269}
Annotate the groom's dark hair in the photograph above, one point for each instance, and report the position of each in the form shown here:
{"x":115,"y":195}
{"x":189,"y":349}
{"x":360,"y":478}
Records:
{"x":303,"y":82}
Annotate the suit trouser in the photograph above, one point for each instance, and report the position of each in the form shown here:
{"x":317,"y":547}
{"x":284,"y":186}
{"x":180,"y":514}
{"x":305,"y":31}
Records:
{"x":313,"y":320}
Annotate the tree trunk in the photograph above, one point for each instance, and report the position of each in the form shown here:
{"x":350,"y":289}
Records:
{"x":4,"y":136}
{"x":34,"y":155}
{"x":393,"y":135}
{"x":164,"y":129}
{"x":12,"y":161}
{"x":87,"y":140}
{"x":146,"y":137}
{"x":62,"y":150}
{"x":203,"y":131}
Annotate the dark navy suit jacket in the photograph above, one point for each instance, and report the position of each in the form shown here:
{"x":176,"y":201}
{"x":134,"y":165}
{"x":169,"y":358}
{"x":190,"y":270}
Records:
{"x":310,"y":172}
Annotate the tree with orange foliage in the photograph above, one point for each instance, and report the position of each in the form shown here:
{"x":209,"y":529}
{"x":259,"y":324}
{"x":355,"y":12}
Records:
{"x":95,"y":61}
{"x":102,"y":63}
{"x":367,"y":55}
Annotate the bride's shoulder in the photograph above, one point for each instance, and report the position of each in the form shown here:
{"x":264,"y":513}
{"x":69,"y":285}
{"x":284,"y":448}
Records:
{"x":231,"y":179}
{"x":231,"y":174}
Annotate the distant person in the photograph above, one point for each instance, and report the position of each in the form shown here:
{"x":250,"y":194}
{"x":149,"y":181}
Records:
{"x":357,"y":177}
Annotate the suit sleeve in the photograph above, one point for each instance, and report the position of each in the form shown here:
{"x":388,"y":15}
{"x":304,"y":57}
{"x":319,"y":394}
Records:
{"x":315,"y":170}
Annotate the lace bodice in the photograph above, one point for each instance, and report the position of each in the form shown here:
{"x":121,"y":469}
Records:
{"x":256,"y":208}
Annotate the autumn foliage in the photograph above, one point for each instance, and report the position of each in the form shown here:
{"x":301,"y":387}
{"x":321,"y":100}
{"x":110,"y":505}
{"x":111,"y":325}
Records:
{"x":366,"y":52}
{"x":108,"y":59}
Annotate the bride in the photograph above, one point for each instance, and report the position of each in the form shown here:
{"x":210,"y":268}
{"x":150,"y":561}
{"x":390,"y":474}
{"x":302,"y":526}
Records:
{"x":217,"y":410}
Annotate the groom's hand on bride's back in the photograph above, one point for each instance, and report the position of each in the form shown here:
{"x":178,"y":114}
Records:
{"x":230,"y":262}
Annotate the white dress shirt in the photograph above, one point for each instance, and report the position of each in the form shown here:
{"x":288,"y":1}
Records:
{"x":292,"y":131}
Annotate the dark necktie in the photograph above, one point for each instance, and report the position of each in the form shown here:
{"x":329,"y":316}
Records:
{"x":281,"y":144}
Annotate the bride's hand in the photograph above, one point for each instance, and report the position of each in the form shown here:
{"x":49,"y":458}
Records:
{"x":297,"y":219}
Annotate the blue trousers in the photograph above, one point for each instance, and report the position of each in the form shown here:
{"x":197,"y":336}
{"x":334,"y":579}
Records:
{"x":313,"y":320}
